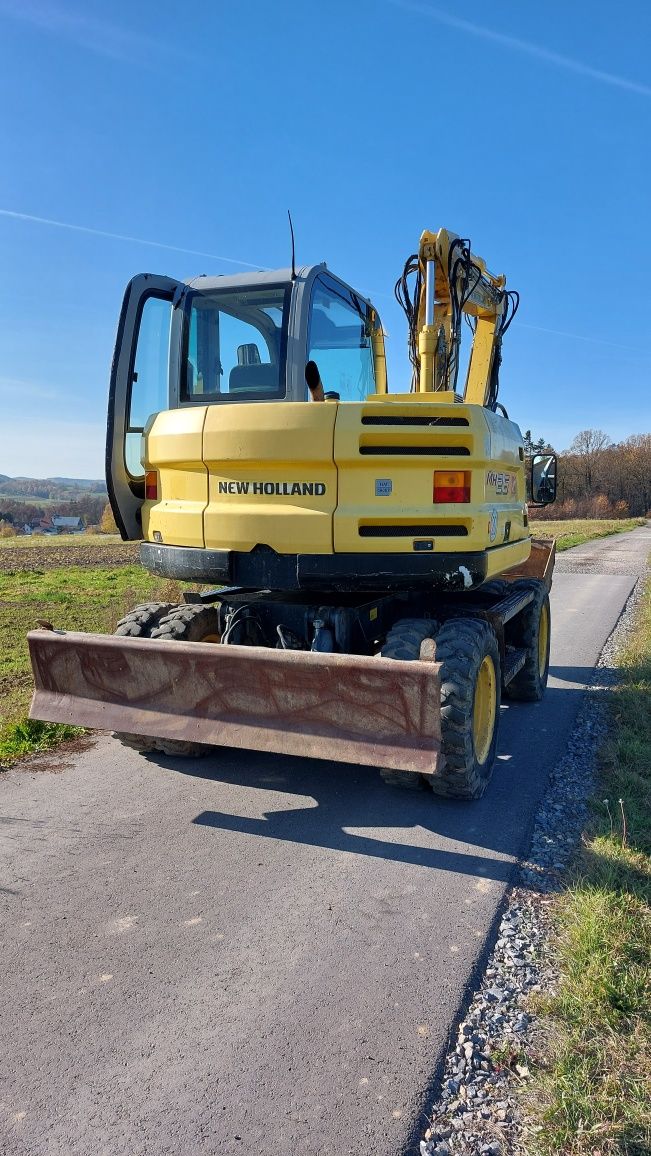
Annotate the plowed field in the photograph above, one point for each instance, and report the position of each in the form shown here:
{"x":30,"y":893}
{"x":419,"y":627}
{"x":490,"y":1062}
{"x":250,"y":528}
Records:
{"x":52,"y":555}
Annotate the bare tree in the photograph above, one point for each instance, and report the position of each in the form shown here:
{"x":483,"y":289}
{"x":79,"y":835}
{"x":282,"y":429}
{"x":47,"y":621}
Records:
{"x":589,"y":445}
{"x":635,"y":455}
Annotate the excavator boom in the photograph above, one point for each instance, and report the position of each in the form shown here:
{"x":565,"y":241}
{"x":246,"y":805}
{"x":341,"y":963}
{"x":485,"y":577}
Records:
{"x":452,"y":282}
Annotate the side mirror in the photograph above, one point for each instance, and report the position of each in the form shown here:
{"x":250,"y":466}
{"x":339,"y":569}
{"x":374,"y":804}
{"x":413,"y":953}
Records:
{"x":543,"y":479}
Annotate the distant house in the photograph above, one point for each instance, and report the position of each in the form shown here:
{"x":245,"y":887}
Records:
{"x":58,"y":524}
{"x":42,"y":526}
{"x":63,"y":525}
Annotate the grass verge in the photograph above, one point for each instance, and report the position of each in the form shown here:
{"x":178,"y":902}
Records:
{"x":592,"y":1097}
{"x":72,"y":598}
{"x":576,"y":531}
{"x":29,"y":736}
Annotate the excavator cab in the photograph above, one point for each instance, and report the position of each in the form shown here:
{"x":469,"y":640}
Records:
{"x":219,"y":340}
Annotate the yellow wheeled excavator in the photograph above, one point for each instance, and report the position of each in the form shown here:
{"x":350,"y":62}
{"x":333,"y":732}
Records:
{"x":370,"y":586}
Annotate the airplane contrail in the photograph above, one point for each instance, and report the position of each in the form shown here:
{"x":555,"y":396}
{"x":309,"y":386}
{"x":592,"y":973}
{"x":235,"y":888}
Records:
{"x":569,"y":63}
{"x":92,"y":33}
{"x":247,"y":265}
{"x":122,"y":237}
{"x":580,"y":337}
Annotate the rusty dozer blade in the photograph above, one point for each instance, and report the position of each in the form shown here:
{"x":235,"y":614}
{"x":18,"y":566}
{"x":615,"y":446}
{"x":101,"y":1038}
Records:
{"x":539,"y":564}
{"x":349,"y":708}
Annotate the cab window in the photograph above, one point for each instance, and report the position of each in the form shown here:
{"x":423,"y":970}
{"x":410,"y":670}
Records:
{"x":339,"y":340}
{"x":235,"y":345}
{"x":149,"y":392}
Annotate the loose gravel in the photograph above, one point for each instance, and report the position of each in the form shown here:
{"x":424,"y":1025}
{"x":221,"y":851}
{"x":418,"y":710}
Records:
{"x":617,"y":554}
{"x":478,"y":1112}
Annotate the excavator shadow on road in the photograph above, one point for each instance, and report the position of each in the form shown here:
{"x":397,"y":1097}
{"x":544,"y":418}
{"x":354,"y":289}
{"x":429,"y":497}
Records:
{"x":348,"y":808}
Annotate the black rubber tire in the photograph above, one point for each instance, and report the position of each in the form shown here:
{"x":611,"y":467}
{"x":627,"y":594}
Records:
{"x":462,"y":644}
{"x":137,"y":624}
{"x":189,"y":622}
{"x":497,"y":586}
{"x":405,"y":637}
{"x":403,"y":642}
{"x":139,"y":621}
{"x":529,"y":683}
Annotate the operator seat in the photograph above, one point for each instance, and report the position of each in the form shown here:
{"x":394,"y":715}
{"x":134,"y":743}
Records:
{"x":257,"y":380}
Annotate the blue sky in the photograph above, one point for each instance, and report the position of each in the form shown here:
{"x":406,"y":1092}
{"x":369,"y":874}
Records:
{"x":525,"y":127}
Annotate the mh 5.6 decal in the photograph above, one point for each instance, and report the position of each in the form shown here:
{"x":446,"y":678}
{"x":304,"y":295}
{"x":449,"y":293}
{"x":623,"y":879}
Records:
{"x":502,"y":483}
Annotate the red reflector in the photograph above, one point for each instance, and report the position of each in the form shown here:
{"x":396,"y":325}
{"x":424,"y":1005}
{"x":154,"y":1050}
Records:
{"x":451,"y":493}
{"x":151,"y":486}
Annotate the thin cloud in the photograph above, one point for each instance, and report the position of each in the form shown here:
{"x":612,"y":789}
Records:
{"x":122,"y":237}
{"x":89,"y":32}
{"x":580,"y":337}
{"x":526,"y":47}
{"x":17,"y":388}
{"x":248,"y":265}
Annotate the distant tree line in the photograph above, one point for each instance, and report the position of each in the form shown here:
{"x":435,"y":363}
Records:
{"x":598,"y":478}
{"x":48,"y":488}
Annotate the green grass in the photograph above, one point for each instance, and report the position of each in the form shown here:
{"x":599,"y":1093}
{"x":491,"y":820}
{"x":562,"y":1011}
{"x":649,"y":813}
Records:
{"x":576,"y":531}
{"x":72,"y":598}
{"x":30,"y":736}
{"x":592,"y":1095}
{"x":33,"y":500}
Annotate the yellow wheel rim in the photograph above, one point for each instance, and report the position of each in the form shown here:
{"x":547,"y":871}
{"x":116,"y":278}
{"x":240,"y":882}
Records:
{"x":543,"y":639}
{"x":212,"y":638}
{"x":484,"y":709}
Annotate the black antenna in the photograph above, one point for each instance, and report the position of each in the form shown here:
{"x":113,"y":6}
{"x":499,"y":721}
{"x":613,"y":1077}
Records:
{"x":291,"y":229}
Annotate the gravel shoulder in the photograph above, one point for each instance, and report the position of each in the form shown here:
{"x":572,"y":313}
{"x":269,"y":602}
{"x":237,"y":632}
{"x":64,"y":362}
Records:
{"x":479,"y":1111}
{"x":618,"y":554}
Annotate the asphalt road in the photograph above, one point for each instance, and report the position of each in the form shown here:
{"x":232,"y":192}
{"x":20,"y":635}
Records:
{"x":255,"y":954}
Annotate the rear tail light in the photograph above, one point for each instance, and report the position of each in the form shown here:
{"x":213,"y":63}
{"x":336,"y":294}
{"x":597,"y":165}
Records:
{"x":151,"y":486}
{"x":451,"y":486}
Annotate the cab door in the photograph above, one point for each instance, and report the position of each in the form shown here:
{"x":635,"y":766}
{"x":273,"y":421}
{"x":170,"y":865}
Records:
{"x":145,"y":364}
